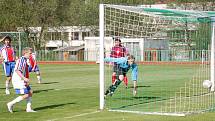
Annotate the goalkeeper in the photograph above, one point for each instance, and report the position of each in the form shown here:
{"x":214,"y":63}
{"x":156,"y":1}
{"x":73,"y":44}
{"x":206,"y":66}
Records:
{"x":125,"y":63}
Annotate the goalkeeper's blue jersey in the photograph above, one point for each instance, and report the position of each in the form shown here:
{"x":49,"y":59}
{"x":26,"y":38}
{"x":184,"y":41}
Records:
{"x":123,"y":63}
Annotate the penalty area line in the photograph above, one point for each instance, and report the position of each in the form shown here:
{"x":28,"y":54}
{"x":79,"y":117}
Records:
{"x":79,"y":115}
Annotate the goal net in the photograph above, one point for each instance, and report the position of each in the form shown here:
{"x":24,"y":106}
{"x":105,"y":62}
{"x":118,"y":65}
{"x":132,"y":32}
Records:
{"x":172,"y":49}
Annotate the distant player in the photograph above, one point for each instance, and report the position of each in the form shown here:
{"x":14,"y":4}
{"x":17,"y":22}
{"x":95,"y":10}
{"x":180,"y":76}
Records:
{"x":20,"y":81}
{"x":8,"y":57}
{"x":118,"y":51}
{"x":125,"y":63}
{"x":33,"y":67}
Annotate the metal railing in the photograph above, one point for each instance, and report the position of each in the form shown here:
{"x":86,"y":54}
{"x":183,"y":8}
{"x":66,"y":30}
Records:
{"x":147,"y":55}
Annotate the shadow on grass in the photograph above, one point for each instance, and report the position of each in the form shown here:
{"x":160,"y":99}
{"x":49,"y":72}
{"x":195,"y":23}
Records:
{"x":52,"y":106}
{"x":140,"y":86}
{"x":44,"y":90}
{"x":49,"y":82}
{"x":141,"y":101}
{"x":138,"y":98}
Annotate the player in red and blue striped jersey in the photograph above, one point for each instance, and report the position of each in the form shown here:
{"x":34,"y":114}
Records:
{"x":8,"y":57}
{"x":118,"y":51}
{"x":33,"y":67}
{"x":20,"y":81}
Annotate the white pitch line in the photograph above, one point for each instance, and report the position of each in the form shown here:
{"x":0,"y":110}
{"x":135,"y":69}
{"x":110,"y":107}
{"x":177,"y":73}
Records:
{"x":79,"y":115}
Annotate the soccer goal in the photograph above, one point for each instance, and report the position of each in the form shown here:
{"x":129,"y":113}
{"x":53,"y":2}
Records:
{"x":174,"y":50}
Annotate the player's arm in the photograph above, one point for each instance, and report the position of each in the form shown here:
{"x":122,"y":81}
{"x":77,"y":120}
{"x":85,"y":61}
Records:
{"x":19,"y":72}
{"x":14,"y":55}
{"x":112,"y":52}
{"x":34,"y":66}
{"x":134,"y":72}
{"x":126,"y":51}
{"x":116,"y":60}
{"x":1,"y":56}
{"x":35,"y":62}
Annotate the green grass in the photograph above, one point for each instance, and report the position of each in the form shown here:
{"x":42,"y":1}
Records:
{"x":165,"y":89}
{"x":70,"y":93}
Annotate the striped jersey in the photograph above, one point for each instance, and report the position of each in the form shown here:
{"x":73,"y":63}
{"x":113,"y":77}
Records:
{"x":22,"y":66}
{"x":8,"y":53}
{"x":118,"y":51}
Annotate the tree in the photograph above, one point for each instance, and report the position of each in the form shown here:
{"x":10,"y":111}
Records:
{"x":58,"y":13}
{"x":33,"y":13}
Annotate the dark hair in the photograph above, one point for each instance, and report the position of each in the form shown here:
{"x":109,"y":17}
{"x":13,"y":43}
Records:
{"x":117,"y":39}
{"x":7,"y":37}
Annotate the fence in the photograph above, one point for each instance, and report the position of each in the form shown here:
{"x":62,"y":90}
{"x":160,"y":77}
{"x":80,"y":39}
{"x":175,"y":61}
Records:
{"x":148,"y":55}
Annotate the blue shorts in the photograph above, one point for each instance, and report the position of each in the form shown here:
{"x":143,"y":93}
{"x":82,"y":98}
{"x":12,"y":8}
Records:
{"x":23,"y":91}
{"x":36,"y":69}
{"x":8,"y":68}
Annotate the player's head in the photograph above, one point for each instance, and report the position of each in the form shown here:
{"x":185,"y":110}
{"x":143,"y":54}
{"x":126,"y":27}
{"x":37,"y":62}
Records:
{"x":131,"y":59}
{"x":27,"y":52}
{"x":6,"y":40}
{"x":117,"y":41}
{"x":31,"y":49}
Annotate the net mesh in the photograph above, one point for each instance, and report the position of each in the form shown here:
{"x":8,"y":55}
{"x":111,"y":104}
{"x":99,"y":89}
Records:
{"x":172,"y":49}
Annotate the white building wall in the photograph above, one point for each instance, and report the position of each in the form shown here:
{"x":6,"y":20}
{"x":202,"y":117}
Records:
{"x":135,"y":46}
{"x":92,"y":47}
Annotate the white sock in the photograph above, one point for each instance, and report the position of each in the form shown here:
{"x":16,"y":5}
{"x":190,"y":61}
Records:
{"x":16,"y":100}
{"x":7,"y":84}
{"x":28,"y":100}
{"x":38,"y":78}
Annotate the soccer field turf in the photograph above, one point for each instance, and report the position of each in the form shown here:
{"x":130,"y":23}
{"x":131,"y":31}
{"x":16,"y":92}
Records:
{"x":70,"y":93}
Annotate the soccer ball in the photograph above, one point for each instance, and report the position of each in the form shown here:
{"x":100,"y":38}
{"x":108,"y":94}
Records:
{"x":207,"y":83}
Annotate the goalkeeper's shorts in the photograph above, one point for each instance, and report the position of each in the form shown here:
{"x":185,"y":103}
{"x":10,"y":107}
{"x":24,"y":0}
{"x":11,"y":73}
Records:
{"x":117,"y":69}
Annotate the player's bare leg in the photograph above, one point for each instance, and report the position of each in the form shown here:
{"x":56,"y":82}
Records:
{"x":29,"y":100}
{"x":13,"y":102}
{"x":38,"y":77}
{"x":19,"y":99}
{"x":7,"y":83}
{"x":113,"y":77}
{"x":125,"y":81}
{"x":114,"y":86}
{"x":135,"y":88}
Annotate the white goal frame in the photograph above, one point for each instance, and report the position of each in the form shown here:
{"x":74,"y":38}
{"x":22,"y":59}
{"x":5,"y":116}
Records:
{"x":101,"y":60}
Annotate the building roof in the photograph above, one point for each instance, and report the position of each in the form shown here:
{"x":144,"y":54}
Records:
{"x":56,"y":43}
{"x":70,"y":48}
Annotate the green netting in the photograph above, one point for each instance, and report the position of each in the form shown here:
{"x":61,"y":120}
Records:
{"x":174,"y":46}
{"x":171,"y":14}
{"x":182,"y":15}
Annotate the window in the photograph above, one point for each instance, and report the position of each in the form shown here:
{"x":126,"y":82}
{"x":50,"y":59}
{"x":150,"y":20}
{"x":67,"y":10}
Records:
{"x":85,"y":34}
{"x":74,"y":36}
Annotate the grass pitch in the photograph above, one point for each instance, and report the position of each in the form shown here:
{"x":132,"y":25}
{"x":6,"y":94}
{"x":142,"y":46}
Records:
{"x":70,"y":93}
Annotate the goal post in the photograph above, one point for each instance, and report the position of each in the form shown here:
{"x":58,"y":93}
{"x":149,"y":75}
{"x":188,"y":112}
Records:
{"x":212,"y":53}
{"x":174,"y":51}
{"x":101,"y":56}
